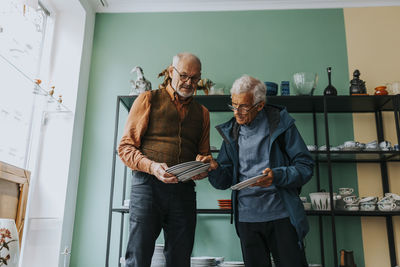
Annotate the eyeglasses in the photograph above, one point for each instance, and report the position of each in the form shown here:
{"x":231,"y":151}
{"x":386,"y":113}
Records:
{"x":184,"y":77}
{"x":242,"y":109}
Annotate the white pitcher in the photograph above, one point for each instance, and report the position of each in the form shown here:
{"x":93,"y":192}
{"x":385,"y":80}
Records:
{"x":9,"y":243}
{"x":393,"y":88}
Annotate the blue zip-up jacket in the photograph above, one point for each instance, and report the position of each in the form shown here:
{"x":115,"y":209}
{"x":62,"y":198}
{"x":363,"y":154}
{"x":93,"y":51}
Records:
{"x":292,"y":168}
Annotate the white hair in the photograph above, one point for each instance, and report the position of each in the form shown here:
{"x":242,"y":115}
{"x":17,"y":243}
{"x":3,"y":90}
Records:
{"x":178,"y":57}
{"x":247,"y":84}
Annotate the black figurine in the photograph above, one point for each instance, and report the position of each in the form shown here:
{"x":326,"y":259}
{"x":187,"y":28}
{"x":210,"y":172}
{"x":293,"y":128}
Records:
{"x":330,"y":90}
{"x":357,"y":86}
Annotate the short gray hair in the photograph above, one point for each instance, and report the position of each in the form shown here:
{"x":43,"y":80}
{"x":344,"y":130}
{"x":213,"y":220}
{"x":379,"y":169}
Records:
{"x":178,"y":57}
{"x":247,"y":84}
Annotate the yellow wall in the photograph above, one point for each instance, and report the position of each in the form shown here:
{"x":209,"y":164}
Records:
{"x":373,"y":47}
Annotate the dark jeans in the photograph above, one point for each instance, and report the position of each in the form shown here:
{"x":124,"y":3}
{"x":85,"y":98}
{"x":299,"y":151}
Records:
{"x":279,"y":238}
{"x":155,"y":206}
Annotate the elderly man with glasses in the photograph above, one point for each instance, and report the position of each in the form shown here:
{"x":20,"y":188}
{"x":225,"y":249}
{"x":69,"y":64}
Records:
{"x":262,"y":139}
{"x":165,"y":127}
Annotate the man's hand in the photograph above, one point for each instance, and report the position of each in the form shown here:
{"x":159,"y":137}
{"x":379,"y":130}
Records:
{"x":267,"y":180}
{"x":158,"y":170}
{"x":205,"y":159}
{"x":208,"y":159}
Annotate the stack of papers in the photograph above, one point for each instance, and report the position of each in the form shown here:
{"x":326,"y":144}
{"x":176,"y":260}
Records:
{"x":185,"y":171}
{"x":247,"y":183}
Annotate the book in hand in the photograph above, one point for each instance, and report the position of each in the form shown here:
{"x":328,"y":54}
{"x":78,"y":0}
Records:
{"x":247,"y":183}
{"x":185,"y":171}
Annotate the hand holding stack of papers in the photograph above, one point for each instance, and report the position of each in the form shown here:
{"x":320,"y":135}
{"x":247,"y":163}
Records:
{"x":185,"y":171}
{"x":248,"y":182}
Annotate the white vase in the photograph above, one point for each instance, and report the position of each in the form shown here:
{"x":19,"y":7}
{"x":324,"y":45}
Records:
{"x":9,"y":243}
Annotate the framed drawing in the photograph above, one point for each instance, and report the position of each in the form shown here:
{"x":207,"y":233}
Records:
{"x":14,"y":188}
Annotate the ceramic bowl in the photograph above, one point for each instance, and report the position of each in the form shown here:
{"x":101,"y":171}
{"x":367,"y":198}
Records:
{"x":321,"y":200}
{"x":304,"y":83}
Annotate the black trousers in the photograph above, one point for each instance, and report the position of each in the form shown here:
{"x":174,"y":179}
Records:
{"x":155,"y":206}
{"x":261,"y":239}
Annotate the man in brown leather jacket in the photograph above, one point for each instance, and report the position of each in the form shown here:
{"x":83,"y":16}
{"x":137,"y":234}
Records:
{"x":165,"y":127}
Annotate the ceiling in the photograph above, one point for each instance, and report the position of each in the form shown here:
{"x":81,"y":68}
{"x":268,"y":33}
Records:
{"x":127,"y":6}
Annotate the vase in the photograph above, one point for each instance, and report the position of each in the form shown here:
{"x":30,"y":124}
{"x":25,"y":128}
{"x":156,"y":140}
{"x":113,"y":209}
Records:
{"x":381,"y":90}
{"x":9,"y":243}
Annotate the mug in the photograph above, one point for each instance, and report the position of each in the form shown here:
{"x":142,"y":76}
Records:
{"x":350,"y":199}
{"x":396,"y":147}
{"x":385,"y":145}
{"x":345,"y":191}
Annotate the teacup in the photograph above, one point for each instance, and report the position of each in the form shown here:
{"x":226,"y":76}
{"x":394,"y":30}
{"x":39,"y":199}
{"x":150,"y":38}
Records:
{"x":367,"y":206}
{"x":385,"y":145}
{"x":335,"y":148}
{"x":393,"y":196}
{"x":361,"y":146}
{"x":387,"y":199}
{"x":344,"y":191}
{"x":350,"y":144}
{"x":373,"y":145}
{"x":307,"y":205}
{"x":352,"y":199}
{"x":303,"y":199}
{"x":311,"y":147}
{"x":386,"y":206}
{"x":352,"y":207}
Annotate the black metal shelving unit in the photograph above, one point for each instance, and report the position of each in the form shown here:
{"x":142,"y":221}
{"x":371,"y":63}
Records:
{"x":298,"y":104}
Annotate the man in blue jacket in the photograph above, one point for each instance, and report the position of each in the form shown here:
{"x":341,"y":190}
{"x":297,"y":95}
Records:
{"x":263,"y":139}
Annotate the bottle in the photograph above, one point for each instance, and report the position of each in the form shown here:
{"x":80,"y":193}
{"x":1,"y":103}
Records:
{"x":330,"y":90}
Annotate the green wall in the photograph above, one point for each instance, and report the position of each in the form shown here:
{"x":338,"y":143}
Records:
{"x":270,"y":45}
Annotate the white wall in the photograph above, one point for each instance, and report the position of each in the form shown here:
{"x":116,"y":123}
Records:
{"x":51,"y":208}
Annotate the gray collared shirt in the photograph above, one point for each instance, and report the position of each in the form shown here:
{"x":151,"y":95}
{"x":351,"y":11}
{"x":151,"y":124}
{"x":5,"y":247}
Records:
{"x":257,"y":204}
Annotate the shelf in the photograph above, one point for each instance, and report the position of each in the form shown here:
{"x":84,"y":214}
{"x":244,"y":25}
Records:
{"x":357,"y":156}
{"x":308,"y":212}
{"x":352,"y":156}
{"x":199,"y":211}
{"x":352,"y":213}
{"x":298,"y":104}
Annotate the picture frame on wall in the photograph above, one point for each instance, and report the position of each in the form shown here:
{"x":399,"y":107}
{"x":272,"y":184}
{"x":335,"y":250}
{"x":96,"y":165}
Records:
{"x":14,"y":188}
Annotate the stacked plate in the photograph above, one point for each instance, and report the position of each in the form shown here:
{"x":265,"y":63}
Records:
{"x":158,"y":259}
{"x":246,"y":183}
{"x":225,"y":203}
{"x":187,"y":170}
{"x":202,"y":262}
{"x":232,"y":264}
